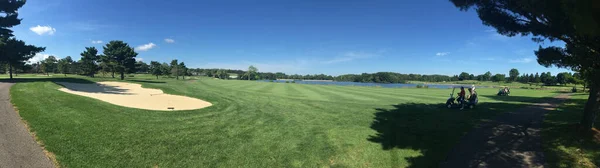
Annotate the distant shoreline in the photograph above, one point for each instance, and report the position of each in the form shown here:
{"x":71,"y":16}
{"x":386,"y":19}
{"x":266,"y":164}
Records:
{"x":305,"y":80}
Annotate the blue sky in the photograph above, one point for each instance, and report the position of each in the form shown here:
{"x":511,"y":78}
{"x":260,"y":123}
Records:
{"x":306,"y":37}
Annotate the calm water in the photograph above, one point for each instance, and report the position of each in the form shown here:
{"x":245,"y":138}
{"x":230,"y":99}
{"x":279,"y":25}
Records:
{"x":388,"y":85}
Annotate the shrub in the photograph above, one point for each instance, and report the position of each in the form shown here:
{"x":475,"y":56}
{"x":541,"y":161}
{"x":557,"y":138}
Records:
{"x":287,"y":81}
{"x":293,"y":81}
{"x":130,"y":75}
{"x":271,"y":81}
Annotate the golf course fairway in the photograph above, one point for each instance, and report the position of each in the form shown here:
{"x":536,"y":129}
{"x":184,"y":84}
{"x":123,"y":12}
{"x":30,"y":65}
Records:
{"x":256,"y":124}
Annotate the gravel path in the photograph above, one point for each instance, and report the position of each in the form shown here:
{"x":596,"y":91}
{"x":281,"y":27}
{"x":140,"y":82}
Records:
{"x":17,"y":146}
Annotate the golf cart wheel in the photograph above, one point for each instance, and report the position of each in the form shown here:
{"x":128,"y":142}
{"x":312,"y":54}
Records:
{"x":449,"y":105}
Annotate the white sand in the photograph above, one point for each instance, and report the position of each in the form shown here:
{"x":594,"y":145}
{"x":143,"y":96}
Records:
{"x":133,"y":95}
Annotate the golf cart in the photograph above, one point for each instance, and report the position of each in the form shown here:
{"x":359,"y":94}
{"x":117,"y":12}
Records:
{"x":505,"y":91}
{"x":454,"y":102}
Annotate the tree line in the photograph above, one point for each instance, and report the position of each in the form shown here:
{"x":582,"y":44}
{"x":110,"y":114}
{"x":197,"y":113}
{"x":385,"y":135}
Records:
{"x":117,"y":58}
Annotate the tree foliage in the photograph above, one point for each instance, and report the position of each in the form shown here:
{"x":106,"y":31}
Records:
{"x":64,"y":65}
{"x":513,"y":74}
{"x":87,"y":63}
{"x":10,"y":17}
{"x":574,"y":22}
{"x":156,"y":68}
{"x":122,"y":55}
{"x":15,"y":52}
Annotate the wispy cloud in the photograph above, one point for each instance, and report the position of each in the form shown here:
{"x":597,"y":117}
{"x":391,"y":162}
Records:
{"x":43,"y":30}
{"x":442,"y":53}
{"x":139,"y":59}
{"x":168,"y":40}
{"x":349,"y":56}
{"x":522,"y":60}
{"x":145,"y":47}
{"x":488,"y":59}
{"x":97,"y":41}
{"x":40,"y":57}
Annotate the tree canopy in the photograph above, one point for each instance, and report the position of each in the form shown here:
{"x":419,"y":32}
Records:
{"x":88,"y":61}
{"x":122,"y":55}
{"x":574,"y":22}
{"x":11,"y":16}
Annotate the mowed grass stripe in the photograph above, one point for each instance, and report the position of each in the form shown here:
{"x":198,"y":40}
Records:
{"x":292,"y":91}
{"x":379,"y":97}
{"x":267,"y":88}
{"x":309,"y":93}
{"x":339,"y":94}
{"x":399,"y":92}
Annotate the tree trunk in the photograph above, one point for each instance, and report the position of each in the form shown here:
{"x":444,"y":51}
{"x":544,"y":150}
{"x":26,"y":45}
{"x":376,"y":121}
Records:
{"x":183,"y":77}
{"x":10,"y":70}
{"x":113,"y":74}
{"x":590,"y":112}
{"x":122,"y":75}
{"x":156,"y":76}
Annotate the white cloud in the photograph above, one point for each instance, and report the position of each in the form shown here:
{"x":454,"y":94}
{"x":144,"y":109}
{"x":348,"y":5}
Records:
{"x":145,"y":47}
{"x":139,"y":59}
{"x":349,"y":56}
{"x":522,"y":60}
{"x":442,"y":53}
{"x":97,"y":41}
{"x":40,"y":57}
{"x":42,"y":30}
{"x":168,"y":40}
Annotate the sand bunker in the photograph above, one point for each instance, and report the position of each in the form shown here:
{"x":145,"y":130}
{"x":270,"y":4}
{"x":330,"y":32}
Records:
{"x":133,"y":95}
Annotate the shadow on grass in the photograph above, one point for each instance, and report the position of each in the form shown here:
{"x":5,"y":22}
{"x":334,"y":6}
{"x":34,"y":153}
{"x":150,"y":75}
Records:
{"x":431,"y":129}
{"x":145,"y":81}
{"x":564,"y":145}
{"x":77,"y":84}
{"x":523,"y":99}
{"x":66,"y":79}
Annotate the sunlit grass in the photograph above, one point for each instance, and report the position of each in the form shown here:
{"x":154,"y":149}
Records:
{"x":257,"y":124}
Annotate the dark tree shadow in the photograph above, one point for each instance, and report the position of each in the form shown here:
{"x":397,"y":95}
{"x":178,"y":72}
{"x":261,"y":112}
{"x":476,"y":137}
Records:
{"x":75,"y":84}
{"x":25,"y":80}
{"x":562,"y":132}
{"x":145,"y":81}
{"x":431,"y":129}
{"x":523,"y":99}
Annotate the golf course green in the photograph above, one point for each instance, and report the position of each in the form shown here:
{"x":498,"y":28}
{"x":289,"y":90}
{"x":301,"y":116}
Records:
{"x":256,"y":124}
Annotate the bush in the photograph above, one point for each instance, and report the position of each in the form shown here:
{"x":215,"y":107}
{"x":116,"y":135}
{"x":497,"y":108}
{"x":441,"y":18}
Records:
{"x":287,"y":81}
{"x":271,"y":81}
{"x":422,"y":86}
{"x":293,"y":81}
{"x":130,"y":75}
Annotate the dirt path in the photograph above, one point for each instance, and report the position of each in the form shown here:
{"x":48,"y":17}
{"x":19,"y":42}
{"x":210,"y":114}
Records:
{"x":511,"y":140}
{"x":17,"y":147}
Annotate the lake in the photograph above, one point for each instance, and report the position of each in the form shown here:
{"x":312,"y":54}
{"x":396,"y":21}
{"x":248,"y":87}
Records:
{"x":385,"y":85}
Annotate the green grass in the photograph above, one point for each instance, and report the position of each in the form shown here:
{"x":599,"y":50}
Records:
{"x":256,"y":124}
{"x":564,"y":146}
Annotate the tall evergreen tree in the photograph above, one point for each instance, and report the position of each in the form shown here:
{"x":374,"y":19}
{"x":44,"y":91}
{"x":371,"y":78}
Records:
{"x":122,"y":55}
{"x":87,"y":63}
{"x":175,"y":68}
